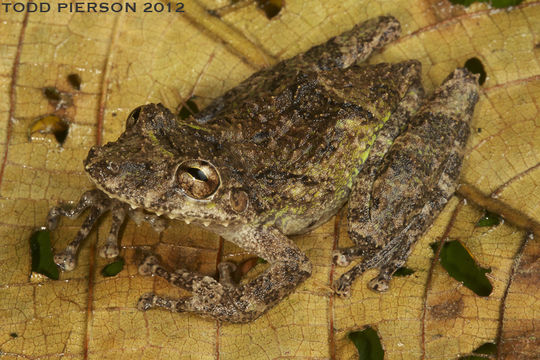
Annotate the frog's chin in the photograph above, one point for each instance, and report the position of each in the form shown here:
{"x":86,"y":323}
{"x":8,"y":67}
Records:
{"x":206,"y":222}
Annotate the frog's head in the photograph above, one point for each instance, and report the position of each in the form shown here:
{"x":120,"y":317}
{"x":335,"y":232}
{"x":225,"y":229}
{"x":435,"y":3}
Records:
{"x":167,"y":168}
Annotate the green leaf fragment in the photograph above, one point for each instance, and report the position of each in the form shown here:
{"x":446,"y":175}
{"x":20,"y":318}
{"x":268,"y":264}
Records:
{"x":403,"y":271}
{"x":113,"y":268}
{"x":494,"y":3}
{"x":368,"y":344}
{"x":460,"y":265}
{"x":487,"y":348}
{"x":489,"y":219}
{"x":42,"y":256}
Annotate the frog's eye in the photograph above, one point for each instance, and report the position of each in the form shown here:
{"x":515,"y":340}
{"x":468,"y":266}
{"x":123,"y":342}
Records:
{"x":133,"y":117}
{"x":198,"y":179}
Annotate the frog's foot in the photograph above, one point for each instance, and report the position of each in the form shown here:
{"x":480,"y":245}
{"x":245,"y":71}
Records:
{"x":211,"y":297}
{"x":98,"y":203}
{"x":388,"y":260}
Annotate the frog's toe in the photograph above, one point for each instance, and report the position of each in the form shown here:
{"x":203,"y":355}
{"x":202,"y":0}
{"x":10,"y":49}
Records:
{"x":342,"y":286}
{"x":109,"y":251}
{"x":340,"y":259}
{"x":146,"y":302}
{"x":65,"y":260}
{"x":52,"y":219}
{"x":148,"y":265}
{"x":379,"y":284}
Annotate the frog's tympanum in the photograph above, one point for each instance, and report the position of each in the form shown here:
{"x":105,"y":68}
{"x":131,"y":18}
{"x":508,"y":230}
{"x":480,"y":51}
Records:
{"x":280,"y":154}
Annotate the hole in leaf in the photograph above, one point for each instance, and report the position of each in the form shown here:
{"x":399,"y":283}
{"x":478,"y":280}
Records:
{"x":460,"y":264}
{"x":51,"y":93}
{"x":14,"y":335}
{"x":49,"y":124}
{"x":75,"y":81}
{"x":113,"y":268}
{"x":475,"y":66}
{"x":270,"y":7}
{"x":367,"y":343}
{"x":489,"y":219}
{"x":188,"y":109}
{"x":57,"y":98}
{"x":403,"y":271}
{"x":42,"y":256}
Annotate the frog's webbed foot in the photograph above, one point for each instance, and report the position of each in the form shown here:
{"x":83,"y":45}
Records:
{"x":225,"y":300}
{"x":98,"y":203}
{"x":204,"y":287}
{"x":388,"y":260}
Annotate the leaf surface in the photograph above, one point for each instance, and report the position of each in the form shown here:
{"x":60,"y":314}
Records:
{"x":127,"y":59}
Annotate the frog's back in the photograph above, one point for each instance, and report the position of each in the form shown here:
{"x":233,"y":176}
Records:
{"x":297,"y":135}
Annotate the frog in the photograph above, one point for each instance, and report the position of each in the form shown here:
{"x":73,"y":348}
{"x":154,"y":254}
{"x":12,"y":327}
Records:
{"x":279,"y":155}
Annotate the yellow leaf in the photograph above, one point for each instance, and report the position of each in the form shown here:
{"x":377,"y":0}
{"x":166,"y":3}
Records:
{"x":127,"y":59}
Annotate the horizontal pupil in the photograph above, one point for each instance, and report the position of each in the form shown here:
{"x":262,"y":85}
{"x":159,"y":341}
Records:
{"x":197,"y":174}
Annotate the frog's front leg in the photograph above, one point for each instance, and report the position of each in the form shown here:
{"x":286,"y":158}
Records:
{"x":224,"y":301}
{"x":411,"y":184}
{"x":98,"y":203}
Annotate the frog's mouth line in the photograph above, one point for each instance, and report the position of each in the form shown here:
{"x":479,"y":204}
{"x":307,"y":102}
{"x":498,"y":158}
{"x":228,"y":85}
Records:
{"x":188,"y":220}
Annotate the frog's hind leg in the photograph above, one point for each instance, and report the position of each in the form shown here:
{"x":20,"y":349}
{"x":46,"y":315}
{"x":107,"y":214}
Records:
{"x":412,"y":184}
{"x":352,"y":46}
{"x":360,"y":200}
{"x":98,"y":203}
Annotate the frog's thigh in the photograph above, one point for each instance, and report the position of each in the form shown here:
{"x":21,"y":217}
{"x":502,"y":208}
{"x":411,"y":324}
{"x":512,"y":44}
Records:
{"x":360,"y":226}
{"x":413,"y":183}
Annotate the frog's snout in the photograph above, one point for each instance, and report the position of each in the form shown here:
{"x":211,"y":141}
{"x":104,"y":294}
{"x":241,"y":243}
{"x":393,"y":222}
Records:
{"x":94,"y":152}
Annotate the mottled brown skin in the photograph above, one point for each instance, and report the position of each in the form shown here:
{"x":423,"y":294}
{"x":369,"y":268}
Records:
{"x":281,"y":153}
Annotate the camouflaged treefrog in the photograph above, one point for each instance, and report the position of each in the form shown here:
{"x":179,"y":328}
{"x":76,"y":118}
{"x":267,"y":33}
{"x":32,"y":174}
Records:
{"x":280,"y":154}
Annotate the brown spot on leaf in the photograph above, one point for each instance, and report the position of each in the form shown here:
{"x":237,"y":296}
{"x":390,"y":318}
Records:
{"x":520,"y":335}
{"x":449,"y":309}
